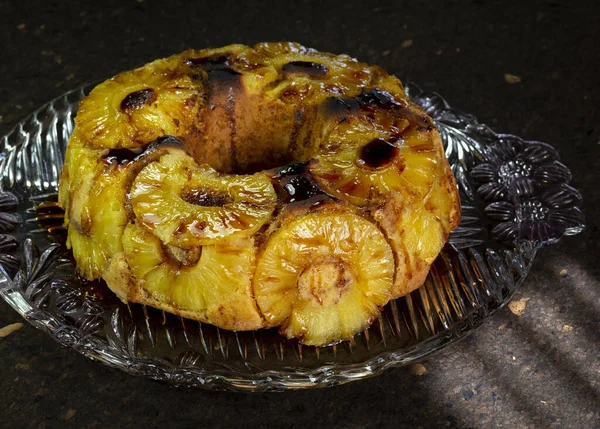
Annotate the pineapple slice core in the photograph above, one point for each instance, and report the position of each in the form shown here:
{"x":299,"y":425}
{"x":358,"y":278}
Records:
{"x":325,"y":282}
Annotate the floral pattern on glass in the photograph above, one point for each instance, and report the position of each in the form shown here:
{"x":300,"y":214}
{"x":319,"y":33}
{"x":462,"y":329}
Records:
{"x":514,"y":166}
{"x":544,"y":218}
{"x":525,"y":188}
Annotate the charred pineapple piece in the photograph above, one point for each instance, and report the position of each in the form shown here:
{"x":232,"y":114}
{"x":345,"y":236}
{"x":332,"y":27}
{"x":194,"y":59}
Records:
{"x":138,"y":106}
{"x":324,"y":276}
{"x":188,"y":205}
{"x":209,"y":283}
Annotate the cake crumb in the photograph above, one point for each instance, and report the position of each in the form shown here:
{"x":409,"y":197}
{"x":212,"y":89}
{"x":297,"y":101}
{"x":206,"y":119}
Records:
{"x":9,"y":329}
{"x":563,"y":272}
{"x":418,"y":369}
{"x":567,"y":328}
{"x":407,"y":43}
{"x":512,"y":78}
{"x":518,"y":307}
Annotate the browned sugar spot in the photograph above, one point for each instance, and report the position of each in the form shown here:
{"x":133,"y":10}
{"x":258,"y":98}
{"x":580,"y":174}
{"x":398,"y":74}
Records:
{"x":138,"y":99}
{"x":289,"y":93}
{"x":305,"y":67}
{"x":337,"y":107}
{"x":204,"y":198}
{"x":378,"y":153}
{"x":215,"y":62}
{"x":377,"y":98}
{"x":121,"y":156}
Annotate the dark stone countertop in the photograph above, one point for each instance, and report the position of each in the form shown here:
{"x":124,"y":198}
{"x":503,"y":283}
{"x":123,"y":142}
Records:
{"x":540,"y":369}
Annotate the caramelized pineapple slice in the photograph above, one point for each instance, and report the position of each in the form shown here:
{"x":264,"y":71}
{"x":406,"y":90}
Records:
{"x":324,"y":276}
{"x":308,"y":71}
{"x":188,"y":205}
{"x":362,"y":163}
{"x":138,"y":106}
{"x":416,"y":235}
{"x":95,"y":211}
{"x":209,"y":283}
{"x":443,"y":199}
{"x":418,"y":229}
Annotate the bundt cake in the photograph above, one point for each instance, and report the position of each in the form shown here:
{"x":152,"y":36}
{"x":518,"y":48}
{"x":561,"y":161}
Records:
{"x":254,"y":187}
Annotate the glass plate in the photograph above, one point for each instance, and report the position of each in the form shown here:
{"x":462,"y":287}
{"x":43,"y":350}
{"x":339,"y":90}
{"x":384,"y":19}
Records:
{"x":515,"y":198}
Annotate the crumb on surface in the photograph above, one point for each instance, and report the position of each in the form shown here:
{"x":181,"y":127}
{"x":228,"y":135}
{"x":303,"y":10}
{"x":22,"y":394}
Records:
{"x":518,"y":307}
{"x":417,"y":369}
{"x":512,"y":78}
{"x":9,"y":329}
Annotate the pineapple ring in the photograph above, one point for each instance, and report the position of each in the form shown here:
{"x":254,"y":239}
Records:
{"x":187,"y":205}
{"x":376,"y":163}
{"x":86,"y":184}
{"x":324,"y":276}
{"x":139,"y":106}
{"x":204,"y":288}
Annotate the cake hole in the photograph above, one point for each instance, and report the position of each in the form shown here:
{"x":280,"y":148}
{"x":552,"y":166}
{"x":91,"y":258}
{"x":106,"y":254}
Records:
{"x":182,"y":257}
{"x":325,"y":282}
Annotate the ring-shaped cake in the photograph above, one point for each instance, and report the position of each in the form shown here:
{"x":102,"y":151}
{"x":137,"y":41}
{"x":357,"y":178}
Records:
{"x":255,"y":187}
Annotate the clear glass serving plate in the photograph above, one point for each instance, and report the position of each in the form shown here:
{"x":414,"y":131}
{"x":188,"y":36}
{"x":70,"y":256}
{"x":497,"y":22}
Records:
{"x":515,"y":198}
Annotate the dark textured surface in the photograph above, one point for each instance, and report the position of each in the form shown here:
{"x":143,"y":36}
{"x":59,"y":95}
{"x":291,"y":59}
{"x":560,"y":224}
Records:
{"x":539,"y":369}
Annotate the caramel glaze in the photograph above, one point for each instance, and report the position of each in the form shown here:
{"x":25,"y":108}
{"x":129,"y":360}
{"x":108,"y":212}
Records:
{"x":314,"y":70}
{"x":214,"y":62}
{"x":378,"y":153}
{"x":369,"y":102}
{"x":122,"y":156}
{"x":205,"y":198}
{"x":293,"y":183}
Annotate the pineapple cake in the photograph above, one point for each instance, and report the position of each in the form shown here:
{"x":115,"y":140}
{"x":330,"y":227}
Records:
{"x":258,"y":187}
